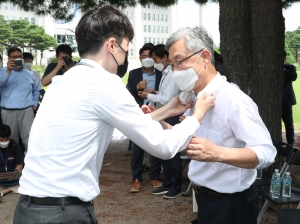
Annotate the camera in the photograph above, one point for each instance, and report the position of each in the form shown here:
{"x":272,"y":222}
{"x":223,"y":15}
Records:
{"x":68,"y":61}
{"x":19,"y":62}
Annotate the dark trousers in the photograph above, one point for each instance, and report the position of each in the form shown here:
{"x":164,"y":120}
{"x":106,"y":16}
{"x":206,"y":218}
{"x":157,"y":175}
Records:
{"x":236,"y":208}
{"x":173,"y":167}
{"x":29,"y":213}
{"x":287,"y":117}
{"x":173,"y":173}
{"x":137,"y":162}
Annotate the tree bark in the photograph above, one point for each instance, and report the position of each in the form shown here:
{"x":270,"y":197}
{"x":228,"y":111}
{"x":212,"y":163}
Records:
{"x":252,"y":44}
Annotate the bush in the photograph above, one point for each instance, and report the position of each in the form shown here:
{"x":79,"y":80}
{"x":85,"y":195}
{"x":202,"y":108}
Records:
{"x":53,"y":60}
{"x":76,"y":58}
{"x":39,"y":68}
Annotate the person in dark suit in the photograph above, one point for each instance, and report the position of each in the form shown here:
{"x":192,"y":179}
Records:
{"x":141,"y":79}
{"x":288,"y":101}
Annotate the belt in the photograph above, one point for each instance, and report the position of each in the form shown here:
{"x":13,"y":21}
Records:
{"x":15,"y":108}
{"x":53,"y":201}
{"x":199,"y":190}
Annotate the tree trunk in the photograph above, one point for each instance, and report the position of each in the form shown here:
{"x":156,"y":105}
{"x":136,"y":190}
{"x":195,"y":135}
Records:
{"x":41,"y":58}
{"x":252,"y":44}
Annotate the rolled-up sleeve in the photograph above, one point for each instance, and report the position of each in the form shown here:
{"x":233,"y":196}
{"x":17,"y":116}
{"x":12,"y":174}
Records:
{"x":249,"y":129}
{"x":122,"y":112}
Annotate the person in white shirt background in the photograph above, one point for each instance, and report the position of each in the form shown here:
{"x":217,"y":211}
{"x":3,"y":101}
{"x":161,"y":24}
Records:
{"x":67,"y":142}
{"x":28,"y":59}
{"x":167,"y":90}
{"x":233,"y":140}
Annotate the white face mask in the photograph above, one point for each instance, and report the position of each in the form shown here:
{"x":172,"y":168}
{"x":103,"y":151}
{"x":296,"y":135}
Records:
{"x":28,"y":65}
{"x":4,"y":144}
{"x":147,"y":62}
{"x":159,"y":66}
{"x":186,"y":80}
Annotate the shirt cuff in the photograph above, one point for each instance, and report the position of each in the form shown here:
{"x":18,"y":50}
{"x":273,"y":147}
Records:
{"x":150,"y":96}
{"x":266,"y":155}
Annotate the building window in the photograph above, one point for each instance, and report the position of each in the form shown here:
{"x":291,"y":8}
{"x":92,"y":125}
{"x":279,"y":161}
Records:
{"x":166,"y":40}
{"x":60,"y":38}
{"x":166,"y":18}
{"x":144,"y":16}
{"x":153,"y":6}
{"x":126,"y":13}
{"x":157,"y":29}
{"x":18,"y":8}
{"x":158,"y":39}
{"x":153,"y":17}
{"x":32,"y":20}
{"x":4,"y":6}
{"x":12,"y":7}
{"x":130,"y":15}
{"x":149,"y":16}
{"x":145,"y":28}
{"x":162,"y":29}
{"x":153,"y":29}
{"x":6,"y":18}
{"x":161,"y":17}
{"x":153,"y":40}
{"x":148,"y":6}
{"x":12,"y":18}
{"x":157,"y":17}
{"x":149,"y":29}
{"x":19,"y":18}
{"x":149,"y":39}
{"x":166,"y":29}
{"x":26,"y":18}
{"x":145,"y":40}
{"x":131,"y":52}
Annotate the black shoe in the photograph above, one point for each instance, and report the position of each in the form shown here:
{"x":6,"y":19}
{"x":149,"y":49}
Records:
{"x":161,"y":190}
{"x":195,"y":221}
{"x":145,"y":168}
{"x":172,"y":194}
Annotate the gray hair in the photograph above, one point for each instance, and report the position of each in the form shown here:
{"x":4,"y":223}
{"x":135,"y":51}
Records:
{"x":196,"y":38}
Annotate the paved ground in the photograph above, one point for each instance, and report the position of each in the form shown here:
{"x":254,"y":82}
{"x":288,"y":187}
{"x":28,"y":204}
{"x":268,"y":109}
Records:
{"x":116,"y":205}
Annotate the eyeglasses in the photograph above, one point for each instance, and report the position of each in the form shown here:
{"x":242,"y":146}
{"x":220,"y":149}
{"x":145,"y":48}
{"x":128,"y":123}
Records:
{"x":15,"y":57}
{"x":178,"y":64}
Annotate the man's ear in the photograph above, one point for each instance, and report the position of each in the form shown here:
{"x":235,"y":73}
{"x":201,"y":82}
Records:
{"x":110,"y":45}
{"x":206,"y":56}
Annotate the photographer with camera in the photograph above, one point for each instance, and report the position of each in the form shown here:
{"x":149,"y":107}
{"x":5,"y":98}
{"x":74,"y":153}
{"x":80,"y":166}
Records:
{"x":19,"y":92}
{"x":64,"y":63}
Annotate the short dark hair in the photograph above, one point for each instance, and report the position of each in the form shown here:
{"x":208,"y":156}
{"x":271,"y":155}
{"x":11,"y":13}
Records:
{"x":146,"y":47}
{"x":99,"y":24}
{"x":5,"y":131}
{"x":13,"y":49}
{"x":63,"y":48}
{"x":159,"y":50}
{"x":27,"y":55}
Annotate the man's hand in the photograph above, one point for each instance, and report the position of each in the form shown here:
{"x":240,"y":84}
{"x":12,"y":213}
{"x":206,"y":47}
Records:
{"x":142,"y":85}
{"x":143,"y":94}
{"x":152,"y":91}
{"x":202,"y":149}
{"x":181,"y":118}
{"x":10,"y":66}
{"x":203,"y":104}
{"x":34,"y":107}
{"x":60,"y":63}
{"x":148,"y":108}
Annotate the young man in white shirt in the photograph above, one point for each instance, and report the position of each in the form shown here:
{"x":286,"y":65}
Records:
{"x":233,"y":140}
{"x":67,"y":142}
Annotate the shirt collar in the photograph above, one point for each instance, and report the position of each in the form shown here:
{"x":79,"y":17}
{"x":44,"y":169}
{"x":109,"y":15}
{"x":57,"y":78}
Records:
{"x":152,"y":73}
{"x":91,"y":62}
{"x":215,"y":84}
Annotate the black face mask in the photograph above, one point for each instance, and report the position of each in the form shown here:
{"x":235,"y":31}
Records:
{"x":122,"y":69}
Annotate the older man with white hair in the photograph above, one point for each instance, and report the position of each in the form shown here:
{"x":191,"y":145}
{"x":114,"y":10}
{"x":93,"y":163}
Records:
{"x":232,"y":140}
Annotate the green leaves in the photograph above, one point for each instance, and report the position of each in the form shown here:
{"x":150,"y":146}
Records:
{"x":23,"y":34}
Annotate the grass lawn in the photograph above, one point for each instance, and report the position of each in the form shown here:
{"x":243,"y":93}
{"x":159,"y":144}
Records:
{"x":296,"y":108}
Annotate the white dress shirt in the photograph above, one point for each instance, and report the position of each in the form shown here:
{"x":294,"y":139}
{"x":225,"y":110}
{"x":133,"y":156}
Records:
{"x":74,"y":126}
{"x":167,"y":89}
{"x":233,"y":122}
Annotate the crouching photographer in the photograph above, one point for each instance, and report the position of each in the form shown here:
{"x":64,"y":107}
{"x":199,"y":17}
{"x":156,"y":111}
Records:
{"x":64,"y":63}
